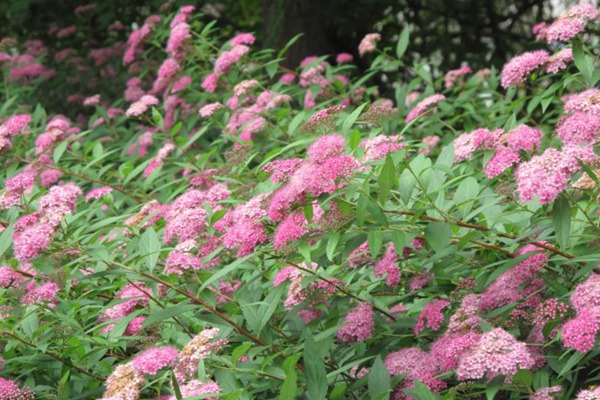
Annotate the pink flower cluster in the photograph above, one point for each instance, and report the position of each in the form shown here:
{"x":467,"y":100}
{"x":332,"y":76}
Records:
{"x":432,"y":316}
{"x":417,"y":364}
{"x":137,"y":37}
{"x":319,"y":174}
{"x":454,"y":76}
{"x":518,"y":283}
{"x":134,"y":295}
{"x":580,"y":332}
{"x":312,"y":295}
{"x":378,"y":147}
{"x":386,"y":265}
{"x":226,"y":59}
{"x":10,"y":390}
{"x":33,"y":233}
{"x":369,"y":43}
{"x":11,"y":127}
{"x":547,"y":175}
{"x":518,"y":68}
{"x":568,"y":25}
{"x":126,"y":381}
{"x":496,"y":353}
{"x":141,"y":105}
{"x":358,"y":324}
{"x":424,"y":106}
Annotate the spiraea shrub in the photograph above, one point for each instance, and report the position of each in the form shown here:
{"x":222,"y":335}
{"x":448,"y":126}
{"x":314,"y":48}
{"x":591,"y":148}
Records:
{"x":202,"y":222}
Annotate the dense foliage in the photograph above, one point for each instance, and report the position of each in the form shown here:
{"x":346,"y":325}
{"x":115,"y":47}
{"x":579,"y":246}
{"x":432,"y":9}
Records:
{"x":229,"y":228}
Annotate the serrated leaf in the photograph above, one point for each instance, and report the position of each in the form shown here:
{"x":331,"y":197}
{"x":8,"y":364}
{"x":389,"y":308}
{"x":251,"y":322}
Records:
{"x":379,"y":381}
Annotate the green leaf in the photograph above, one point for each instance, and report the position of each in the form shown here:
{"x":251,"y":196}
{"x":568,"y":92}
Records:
{"x":168,"y":312}
{"x":402,"y":42}
{"x":375,"y":239}
{"x":523,"y":377}
{"x":561,"y":217}
{"x":150,"y":247}
{"x":316,"y":380}
{"x":289,"y":386}
{"x":387,"y":178}
{"x":466,"y":194}
{"x":406,"y":185}
{"x":438,"y":235}
{"x":583,"y":62}
{"x":573,"y":361}
{"x":421,"y":392}
{"x":332,"y":243}
{"x":351,"y":119}
{"x":157,"y":118}
{"x":446,"y":157}
{"x":58,"y":152}
{"x":289,"y":44}
{"x":223,"y":271}
{"x":266,"y":310}
{"x":379,"y":381}
{"x":6,"y":240}
{"x":354,"y":140}
{"x":240,"y":351}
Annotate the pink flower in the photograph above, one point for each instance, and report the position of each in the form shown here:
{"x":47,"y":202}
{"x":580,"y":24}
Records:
{"x":140,"y":106}
{"x":287,"y":78}
{"x":10,"y":390}
{"x":378,"y":147}
{"x":424,"y":105}
{"x":431,"y":317}
{"x":388,"y":265}
{"x":518,"y":68}
{"x":569,"y":24}
{"x":358,"y":324}
{"x":15,"y":124}
{"x":546,"y":393}
{"x":587,"y":102}
{"x":180,"y":34}
{"x":449,"y":348}
{"x":209,"y":109}
{"x":503,"y":159}
{"x":29,"y":243}
{"x":453,"y":76}
{"x":547,"y":175}
{"x":344,"y":58}
{"x":46,"y":292}
{"x":558,"y":62}
{"x":368,"y":43}
{"x":98,"y":192}
{"x":418,"y":365}
{"x":150,"y":361}
{"x":230,"y":57}
{"x":242,"y":38}
{"x":579,"y":128}
{"x":496,"y":353}
{"x":210,"y":82}
{"x":580,"y":332}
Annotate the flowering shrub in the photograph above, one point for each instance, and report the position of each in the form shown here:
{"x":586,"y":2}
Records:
{"x":228,"y":228}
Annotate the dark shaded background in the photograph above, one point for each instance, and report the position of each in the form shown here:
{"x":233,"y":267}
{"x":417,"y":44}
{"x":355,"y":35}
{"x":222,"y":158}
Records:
{"x":480,"y":32}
